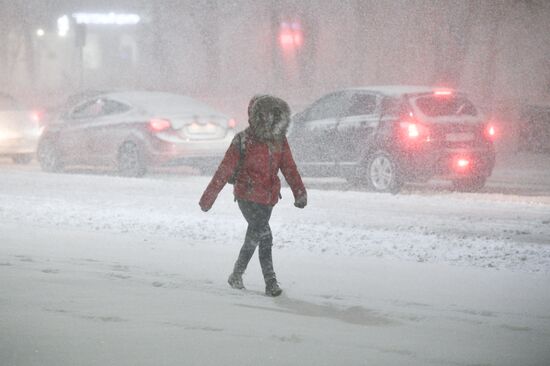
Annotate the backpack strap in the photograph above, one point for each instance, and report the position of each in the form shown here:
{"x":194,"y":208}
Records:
{"x":242,"y":150}
{"x":242,"y":145}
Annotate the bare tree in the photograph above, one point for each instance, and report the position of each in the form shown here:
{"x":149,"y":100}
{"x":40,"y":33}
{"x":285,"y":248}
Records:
{"x":206,"y":16}
{"x":451,"y":39}
{"x":363,"y":26}
{"x":11,"y":40}
{"x":307,"y":57}
{"x":274,"y":11}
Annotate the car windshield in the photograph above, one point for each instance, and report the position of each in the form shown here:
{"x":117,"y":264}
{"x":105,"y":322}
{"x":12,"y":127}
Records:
{"x":445,"y":105}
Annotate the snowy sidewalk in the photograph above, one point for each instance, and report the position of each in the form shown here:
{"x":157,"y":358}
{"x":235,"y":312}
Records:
{"x":105,"y":270}
{"x":481,"y":230}
{"x":80,"y":297}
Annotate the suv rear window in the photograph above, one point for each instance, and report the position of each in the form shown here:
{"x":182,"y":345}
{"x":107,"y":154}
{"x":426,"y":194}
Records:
{"x":437,"y":106}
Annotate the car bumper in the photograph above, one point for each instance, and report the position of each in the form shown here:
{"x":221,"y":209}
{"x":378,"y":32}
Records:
{"x":163,"y":152}
{"x":460,"y":164}
{"x":15,"y":146}
{"x":448,"y":163}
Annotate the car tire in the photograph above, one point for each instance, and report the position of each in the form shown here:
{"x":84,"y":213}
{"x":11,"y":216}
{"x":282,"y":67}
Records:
{"x":471,"y":184}
{"x":130,"y":160}
{"x":48,"y":157}
{"x":383,"y":173}
{"x":22,"y":159}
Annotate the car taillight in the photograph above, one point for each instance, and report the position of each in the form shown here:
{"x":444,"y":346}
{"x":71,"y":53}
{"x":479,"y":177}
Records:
{"x":37,"y":116}
{"x":159,"y":124}
{"x":414,"y":131}
{"x":462,"y":163}
{"x":232,"y":123}
{"x":490,"y":132}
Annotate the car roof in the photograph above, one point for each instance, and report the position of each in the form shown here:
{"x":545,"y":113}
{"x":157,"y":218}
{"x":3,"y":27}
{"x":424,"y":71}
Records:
{"x":399,"y":90}
{"x":161,"y":102}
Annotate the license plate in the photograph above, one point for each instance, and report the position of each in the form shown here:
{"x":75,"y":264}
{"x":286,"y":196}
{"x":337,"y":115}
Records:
{"x":202,"y":129}
{"x":460,"y":136}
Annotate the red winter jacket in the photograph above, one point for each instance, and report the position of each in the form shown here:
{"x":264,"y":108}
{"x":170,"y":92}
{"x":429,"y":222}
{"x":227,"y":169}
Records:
{"x":257,"y":180}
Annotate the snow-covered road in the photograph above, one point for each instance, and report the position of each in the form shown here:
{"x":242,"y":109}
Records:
{"x":482,"y":230}
{"x":103,"y":270}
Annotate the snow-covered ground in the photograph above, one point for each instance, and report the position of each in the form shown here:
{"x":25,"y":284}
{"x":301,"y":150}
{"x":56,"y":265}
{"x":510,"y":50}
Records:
{"x":101,"y":270}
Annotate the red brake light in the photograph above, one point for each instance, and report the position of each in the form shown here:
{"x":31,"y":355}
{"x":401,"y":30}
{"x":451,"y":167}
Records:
{"x":490,"y":132}
{"x":443,"y":93}
{"x":291,"y":35}
{"x":462,"y":163}
{"x":414,"y":131}
{"x":36,"y":116}
{"x":159,"y":124}
{"x":232,"y":123}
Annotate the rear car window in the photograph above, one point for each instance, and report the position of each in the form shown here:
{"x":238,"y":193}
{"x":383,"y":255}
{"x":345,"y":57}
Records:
{"x":362,"y":104}
{"x":438,"y":106}
{"x":330,"y":106}
{"x":112,"y":107}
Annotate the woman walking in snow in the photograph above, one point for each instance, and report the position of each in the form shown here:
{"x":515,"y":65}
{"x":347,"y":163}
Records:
{"x":253,"y":161}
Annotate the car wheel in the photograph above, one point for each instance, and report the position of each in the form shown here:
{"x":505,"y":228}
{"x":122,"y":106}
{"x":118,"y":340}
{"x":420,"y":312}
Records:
{"x":383,"y":173}
{"x":22,"y":159}
{"x":48,"y":157}
{"x":471,"y":184}
{"x":130,"y":160}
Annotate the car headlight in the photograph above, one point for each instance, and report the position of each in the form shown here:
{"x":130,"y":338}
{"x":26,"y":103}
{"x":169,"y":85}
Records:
{"x":7,"y":135}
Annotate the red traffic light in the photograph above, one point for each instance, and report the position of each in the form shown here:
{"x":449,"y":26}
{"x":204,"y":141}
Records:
{"x":291,"y":35}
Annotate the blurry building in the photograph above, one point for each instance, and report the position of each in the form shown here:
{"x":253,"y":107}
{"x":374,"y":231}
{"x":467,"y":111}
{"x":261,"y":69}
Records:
{"x":227,"y":51}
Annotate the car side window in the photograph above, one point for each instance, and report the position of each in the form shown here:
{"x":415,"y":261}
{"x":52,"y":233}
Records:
{"x":361,"y":104}
{"x":331,"y":106}
{"x":97,"y":108}
{"x":113,"y":107}
{"x":89,"y":109}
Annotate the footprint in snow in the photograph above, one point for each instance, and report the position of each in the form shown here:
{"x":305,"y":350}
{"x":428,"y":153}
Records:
{"x":50,"y":271}
{"x":120,"y":268}
{"x":105,"y":319}
{"x":293,"y":338}
{"x":24,"y":258}
{"x":516,"y":328}
{"x":120,"y":276}
{"x":164,"y":285}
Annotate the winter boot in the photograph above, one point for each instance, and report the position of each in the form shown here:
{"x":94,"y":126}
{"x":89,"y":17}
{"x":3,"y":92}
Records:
{"x":272,"y":288}
{"x":236,"y":281}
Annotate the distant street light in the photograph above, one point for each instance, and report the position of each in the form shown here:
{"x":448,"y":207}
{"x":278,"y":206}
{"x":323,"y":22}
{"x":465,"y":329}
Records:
{"x":40,"y":32}
{"x":291,"y":36}
{"x":63,"y":26}
{"x":106,"y":18}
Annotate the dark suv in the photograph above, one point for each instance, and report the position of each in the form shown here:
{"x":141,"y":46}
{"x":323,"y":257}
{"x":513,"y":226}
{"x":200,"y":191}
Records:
{"x":386,"y":136}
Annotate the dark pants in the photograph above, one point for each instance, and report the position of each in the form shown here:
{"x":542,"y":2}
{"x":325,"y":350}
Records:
{"x":259,"y":235}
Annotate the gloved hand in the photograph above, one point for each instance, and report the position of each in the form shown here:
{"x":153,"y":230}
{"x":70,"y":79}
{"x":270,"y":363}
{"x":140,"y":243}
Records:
{"x":206,"y":202}
{"x":301,"y":201}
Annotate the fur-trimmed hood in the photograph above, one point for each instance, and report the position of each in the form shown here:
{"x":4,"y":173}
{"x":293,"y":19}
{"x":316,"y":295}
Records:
{"x":268,"y":117}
